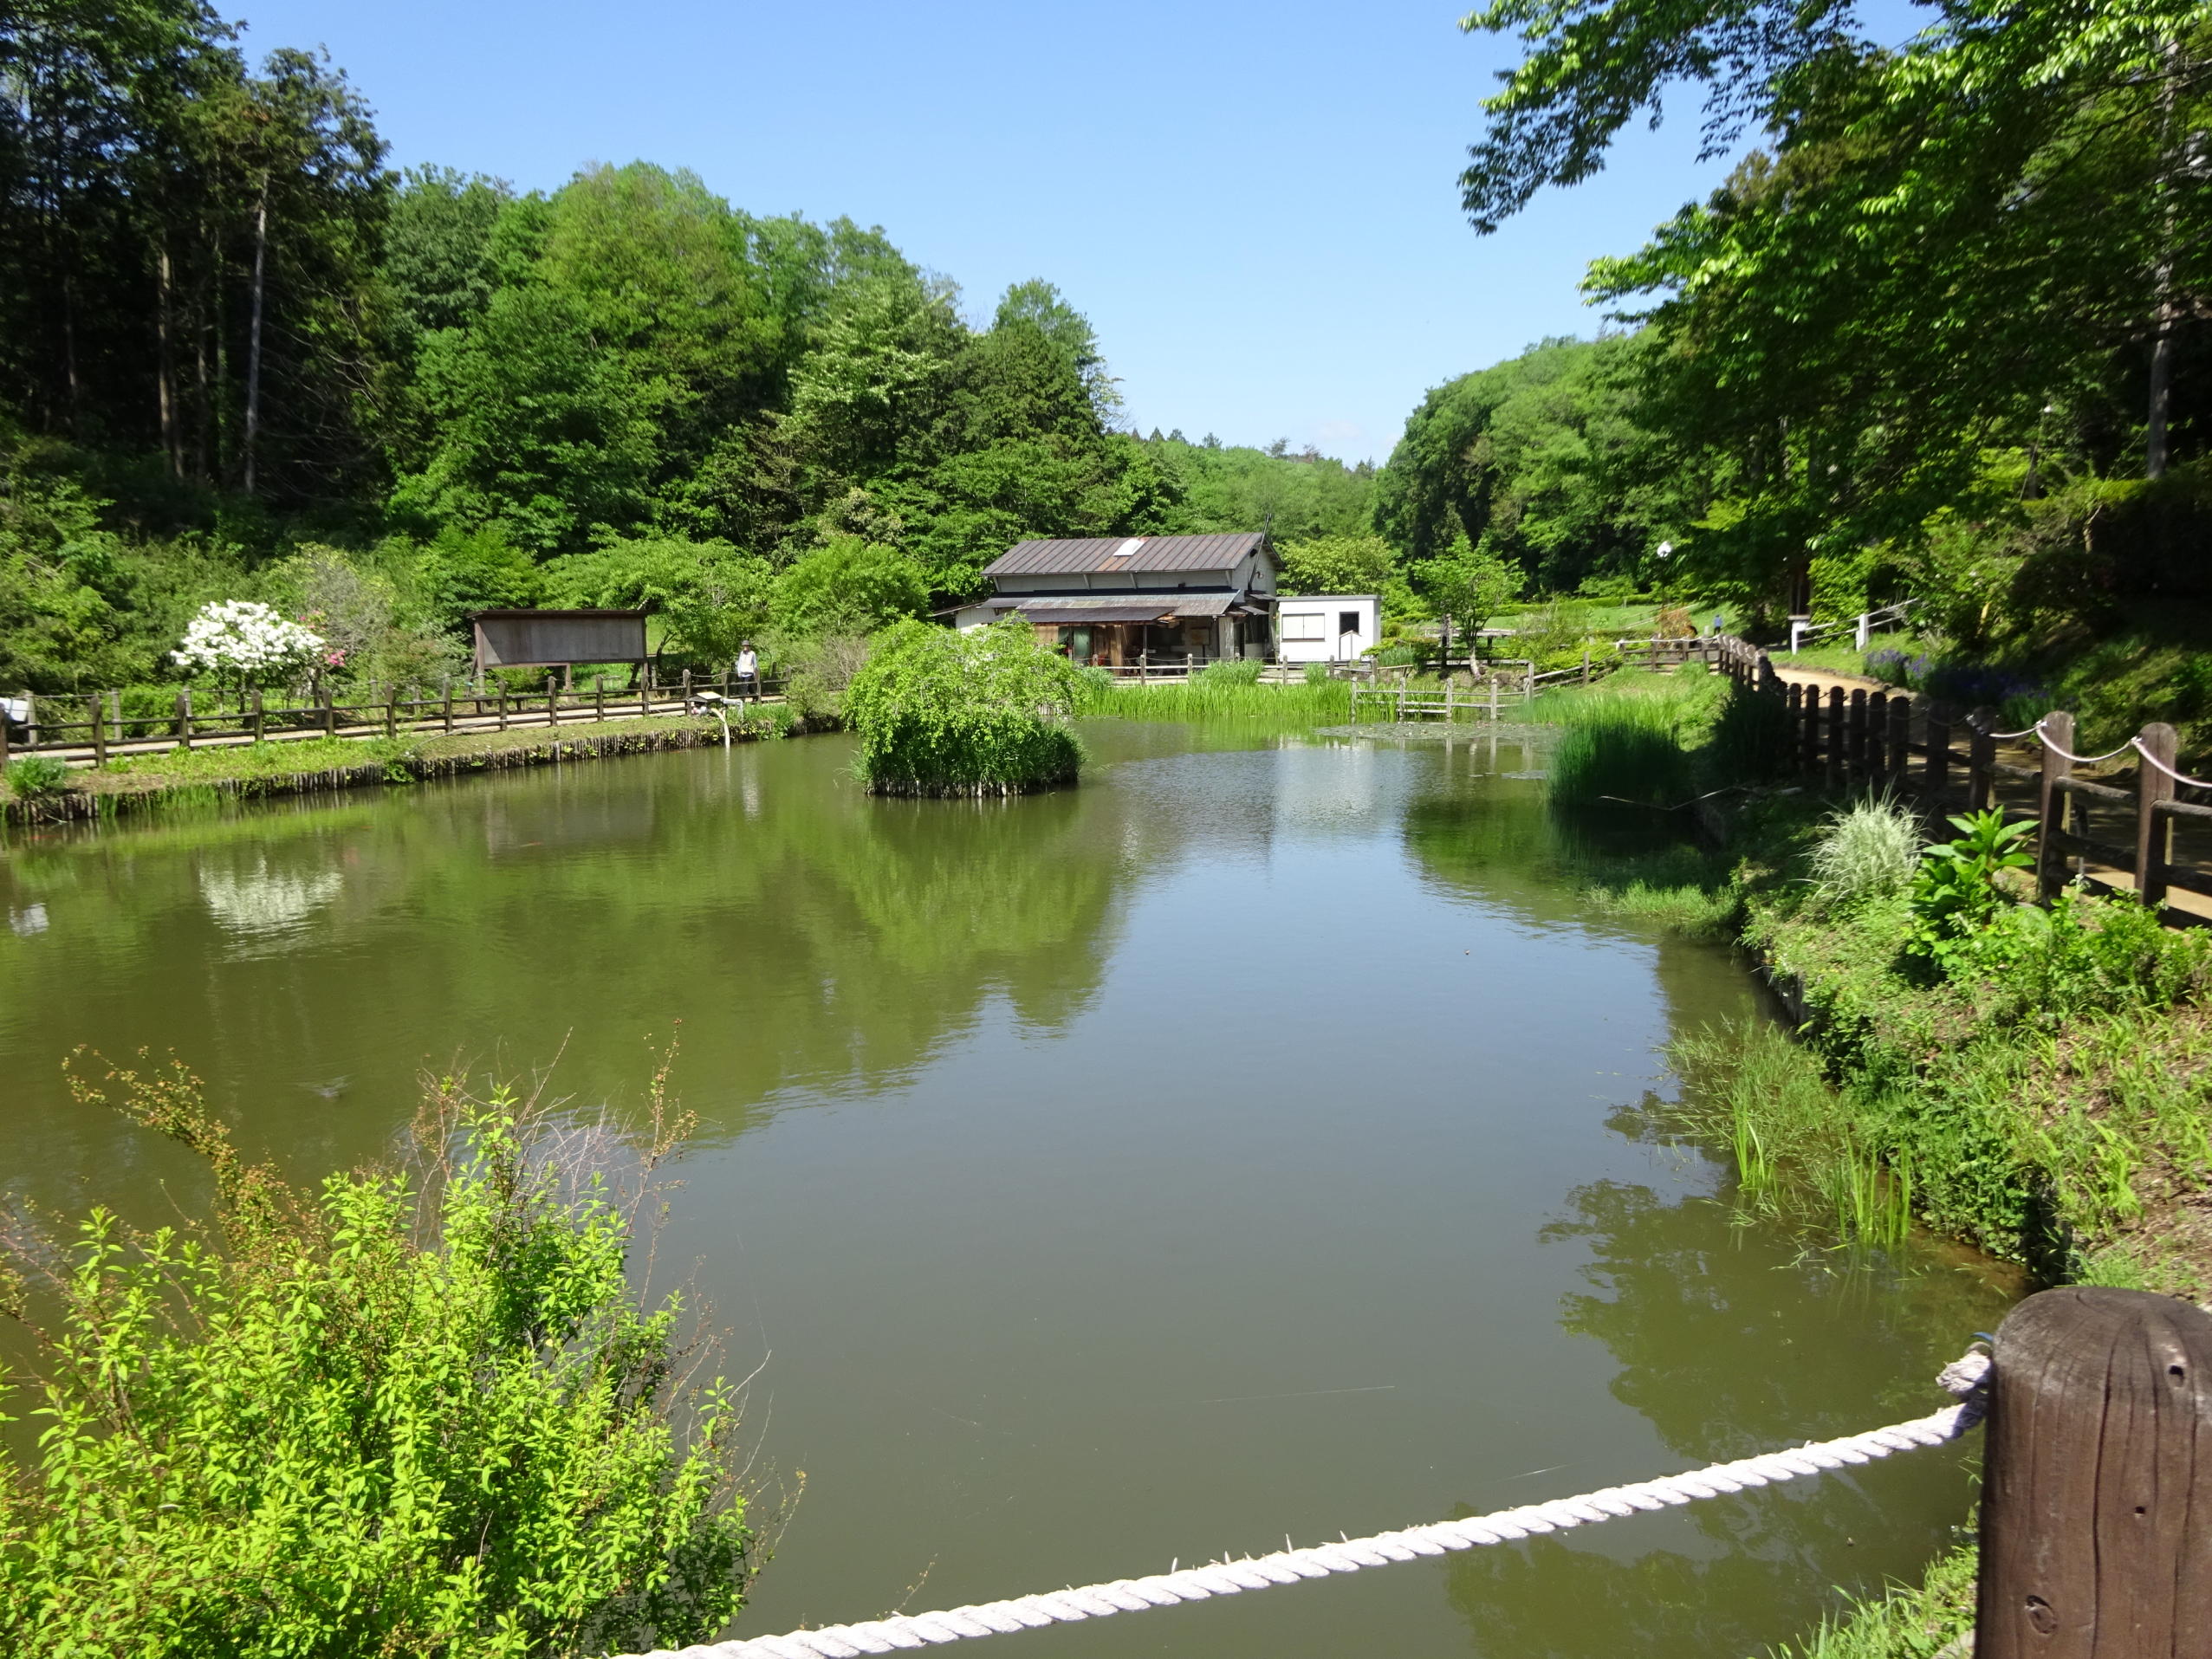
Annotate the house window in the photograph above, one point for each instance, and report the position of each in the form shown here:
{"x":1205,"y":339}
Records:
{"x":1348,"y":622}
{"x":1301,"y":625}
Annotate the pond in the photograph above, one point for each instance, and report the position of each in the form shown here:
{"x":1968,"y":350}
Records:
{"x":1244,"y":1144}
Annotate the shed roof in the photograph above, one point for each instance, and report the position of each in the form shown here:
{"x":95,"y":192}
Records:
{"x":1056,"y":607}
{"x":1090,"y":554}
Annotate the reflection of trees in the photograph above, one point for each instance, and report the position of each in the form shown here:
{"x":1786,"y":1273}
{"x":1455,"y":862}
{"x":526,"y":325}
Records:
{"x":1722,"y":1366}
{"x":804,"y":934}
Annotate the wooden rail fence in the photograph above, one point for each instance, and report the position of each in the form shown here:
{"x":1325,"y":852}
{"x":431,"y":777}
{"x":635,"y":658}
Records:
{"x":1854,"y":738}
{"x":92,"y":730}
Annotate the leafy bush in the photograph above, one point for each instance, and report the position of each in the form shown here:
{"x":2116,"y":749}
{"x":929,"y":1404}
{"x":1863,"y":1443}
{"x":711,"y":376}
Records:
{"x":2083,"y":955}
{"x":37,"y":776}
{"x":414,"y":1412}
{"x":1867,"y":851}
{"x":945,"y":713}
{"x":1956,"y":893}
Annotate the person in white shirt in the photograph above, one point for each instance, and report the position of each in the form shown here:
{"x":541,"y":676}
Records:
{"x":749,"y":671}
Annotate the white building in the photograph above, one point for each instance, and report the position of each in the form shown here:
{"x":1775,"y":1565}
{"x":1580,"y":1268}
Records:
{"x":1327,"y":627}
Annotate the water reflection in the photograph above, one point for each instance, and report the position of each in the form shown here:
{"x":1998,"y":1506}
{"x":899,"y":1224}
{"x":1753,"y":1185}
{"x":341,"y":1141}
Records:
{"x":1730,"y":1341}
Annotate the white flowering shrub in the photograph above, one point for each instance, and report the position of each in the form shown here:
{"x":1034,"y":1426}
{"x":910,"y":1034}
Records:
{"x":247,"y":640}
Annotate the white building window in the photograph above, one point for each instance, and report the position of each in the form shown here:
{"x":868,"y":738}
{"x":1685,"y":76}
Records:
{"x":1301,"y":625}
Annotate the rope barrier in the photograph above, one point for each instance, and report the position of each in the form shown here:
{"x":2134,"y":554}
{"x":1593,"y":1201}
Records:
{"x":2182,"y":778}
{"x":1965,"y":1378}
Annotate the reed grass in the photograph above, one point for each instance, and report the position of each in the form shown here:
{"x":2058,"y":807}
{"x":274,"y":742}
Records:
{"x":1202,"y":698}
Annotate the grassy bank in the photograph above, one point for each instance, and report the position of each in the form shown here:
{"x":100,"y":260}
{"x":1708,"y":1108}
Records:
{"x":317,"y":764}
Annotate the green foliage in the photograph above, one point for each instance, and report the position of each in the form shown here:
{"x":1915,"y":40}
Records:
{"x":1232,"y":697}
{"x":941,"y":712}
{"x":1956,"y":893}
{"x":415,"y":1411}
{"x":2080,"y":955}
{"x":1468,"y":588}
{"x":1921,"y":1621}
{"x":1300,"y":498}
{"x":35,"y":776}
{"x":709,"y":599}
{"x":1337,"y":564}
{"x":1868,"y":850}
{"x":848,"y":586}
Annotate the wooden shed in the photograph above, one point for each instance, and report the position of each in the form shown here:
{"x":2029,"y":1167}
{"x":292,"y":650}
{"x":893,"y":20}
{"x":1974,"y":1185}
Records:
{"x":558,"y":638}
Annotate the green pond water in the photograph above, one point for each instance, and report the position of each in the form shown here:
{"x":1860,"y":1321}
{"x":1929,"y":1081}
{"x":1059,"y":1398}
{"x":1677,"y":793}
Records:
{"x":1244,"y":1144}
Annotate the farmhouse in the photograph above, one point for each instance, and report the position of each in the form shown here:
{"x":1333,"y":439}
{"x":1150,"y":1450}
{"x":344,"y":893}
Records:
{"x":1115,"y":600}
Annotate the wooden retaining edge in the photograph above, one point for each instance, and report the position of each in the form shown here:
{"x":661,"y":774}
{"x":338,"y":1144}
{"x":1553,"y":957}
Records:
{"x":77,"y":805}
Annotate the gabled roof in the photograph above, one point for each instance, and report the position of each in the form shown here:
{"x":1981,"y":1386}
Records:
{"x":1098,"y":554}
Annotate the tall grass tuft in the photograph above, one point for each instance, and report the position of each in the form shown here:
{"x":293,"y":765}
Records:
{"x":1866,"y":851}
{"x":1620,"y":749}
{"x":1801,"y":1154}
{"x":1226,"y":697}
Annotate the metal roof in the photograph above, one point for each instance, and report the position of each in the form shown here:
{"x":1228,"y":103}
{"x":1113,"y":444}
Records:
{"x":1091,"y":554}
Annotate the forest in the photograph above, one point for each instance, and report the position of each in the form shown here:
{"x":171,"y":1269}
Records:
{"x":1945,"y":330}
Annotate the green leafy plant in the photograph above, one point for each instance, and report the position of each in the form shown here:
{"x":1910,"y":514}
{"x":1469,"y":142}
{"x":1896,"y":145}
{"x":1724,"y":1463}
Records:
{"x":415,"y":1411}
{"x":2083,"y":955}
{"x":944,"y":713}
{"x":1956,"y":892}
{"x":36,"y":776}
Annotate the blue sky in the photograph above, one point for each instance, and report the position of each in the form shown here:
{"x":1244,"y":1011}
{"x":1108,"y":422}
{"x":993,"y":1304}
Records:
{"x":1254,"y":205}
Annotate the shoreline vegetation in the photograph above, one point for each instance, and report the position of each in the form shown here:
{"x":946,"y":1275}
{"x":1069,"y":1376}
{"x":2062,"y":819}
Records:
{"x":2027,"y":1080}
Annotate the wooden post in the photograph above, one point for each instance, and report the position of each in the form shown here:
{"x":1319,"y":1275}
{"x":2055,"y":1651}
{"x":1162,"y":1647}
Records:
{"x":2097,"y":1480}
{"x":502,"y":706}
{"x":1837,"y":738}
{"x":329,"y":712}
{"x":391,"y":711}
{"x":1878,"y":732}
{"x":645,"y":686}
{"x":4,"y":742}
{"x":449,"y":705}
{"x":185,"y":718}
{"x":1585,"y":664}
{"x":115,"y":710}
{"x":1856,"y":760}
{"x":1806,"y":725}
{"x":260,"y":718}
{"x":552,"y":700}
{"x":1936,"y":730}
{"x":30,"y":725}
{"x":1980,"y":759}
{"x":1899,"y":749}
{"x":2050,"y":803}
{"x":599,"y":696}
{"x":99,"y":729}
{"x":2154,"y":830}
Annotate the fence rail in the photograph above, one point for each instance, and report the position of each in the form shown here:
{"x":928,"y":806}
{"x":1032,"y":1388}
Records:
{"x":92,"y":730}
{"x":1909,"y":744}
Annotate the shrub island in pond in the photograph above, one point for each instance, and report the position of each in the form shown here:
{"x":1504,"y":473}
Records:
{"x":986,"y":712}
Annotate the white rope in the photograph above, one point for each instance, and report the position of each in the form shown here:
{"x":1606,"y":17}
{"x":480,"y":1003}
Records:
{"x":2178,"y":777}
{"x":2044,"y":738}
{"x":1965,"y":1378}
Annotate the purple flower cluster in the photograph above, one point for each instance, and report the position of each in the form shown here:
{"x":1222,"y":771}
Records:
{"x":1969,"y":685}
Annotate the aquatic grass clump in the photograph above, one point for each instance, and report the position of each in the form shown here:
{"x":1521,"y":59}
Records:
{"x":1620,"y":749}
{"x":980,"y":713}
{"x":1207,"y":695}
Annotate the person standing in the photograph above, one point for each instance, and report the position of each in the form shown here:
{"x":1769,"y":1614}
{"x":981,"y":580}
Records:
{"x":748,"y":672}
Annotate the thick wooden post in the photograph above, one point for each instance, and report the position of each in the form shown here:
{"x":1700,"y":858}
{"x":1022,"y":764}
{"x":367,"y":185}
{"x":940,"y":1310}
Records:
{"x":552,"y":699}
{"x":502,"y":706}
{"x":599,"y":696}
{"x":1857,"y":759}
{"x":1980,"y":759}
{"x":449,"y":705}
{"x":2154,"y":830}
{"x":1808,"y":729}
{"x":1936,"y":768}
{"x":259,"y":717}
{"x":329,"y":712}
{"x":185,"y":718}
{"x":645,"y":686}
{"x":2097,"y":1480}
{"x":1878,"y":736}
{"x":1839,"y":737}
{"x":2051,"y":800}
{"x":97,"y":717}
{"x":391,"y":711}
{"x":1900,"y":743}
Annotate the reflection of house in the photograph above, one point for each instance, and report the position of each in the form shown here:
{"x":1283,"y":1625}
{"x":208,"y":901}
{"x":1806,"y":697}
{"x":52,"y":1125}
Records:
{"x":1327,"y":627}
{"x":1113,"y":600}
